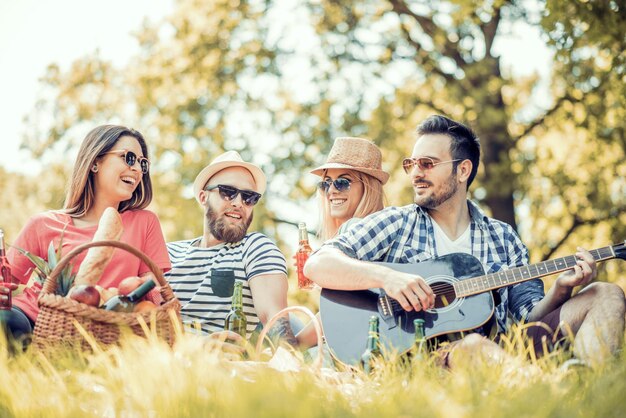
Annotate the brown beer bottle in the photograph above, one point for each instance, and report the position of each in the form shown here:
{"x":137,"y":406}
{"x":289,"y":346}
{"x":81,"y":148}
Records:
{"x":304,"y":249}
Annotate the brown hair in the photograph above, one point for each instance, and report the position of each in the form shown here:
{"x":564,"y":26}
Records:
{"x":81,"y":189}
{"x":464,"y":144}
{"x":371,"y":201}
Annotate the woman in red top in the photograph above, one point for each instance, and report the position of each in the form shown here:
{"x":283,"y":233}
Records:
{"x":111,"y":170}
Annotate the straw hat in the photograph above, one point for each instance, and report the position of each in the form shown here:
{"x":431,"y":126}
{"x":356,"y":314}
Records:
{"x":355,"y":154}
{"x":227,"y":160}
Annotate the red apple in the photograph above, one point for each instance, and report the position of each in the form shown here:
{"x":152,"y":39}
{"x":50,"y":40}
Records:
{"x":129,"y":284}
{"x":86,"y":294}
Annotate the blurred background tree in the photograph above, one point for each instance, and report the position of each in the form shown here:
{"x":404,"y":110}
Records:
{"x":279,"y":80}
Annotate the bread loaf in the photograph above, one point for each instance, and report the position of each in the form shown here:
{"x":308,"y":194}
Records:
{"x":109,"y":228}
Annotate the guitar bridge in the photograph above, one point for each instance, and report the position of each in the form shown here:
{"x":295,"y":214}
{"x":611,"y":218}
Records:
{"x":385,"y":306}
{"x":385,"y":310}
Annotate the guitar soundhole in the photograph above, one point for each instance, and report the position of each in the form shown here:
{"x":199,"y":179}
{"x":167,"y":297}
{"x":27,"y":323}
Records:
{"x":444,"y":294}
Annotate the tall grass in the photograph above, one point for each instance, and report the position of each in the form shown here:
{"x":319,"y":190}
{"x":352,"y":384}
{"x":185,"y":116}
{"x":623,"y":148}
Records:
{"x":146,"y":378}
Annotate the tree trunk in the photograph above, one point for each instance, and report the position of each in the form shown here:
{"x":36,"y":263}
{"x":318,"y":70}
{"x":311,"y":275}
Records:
{"x":502,"y":208}
{"x":491,"y":126}
{"x":498,"y":180}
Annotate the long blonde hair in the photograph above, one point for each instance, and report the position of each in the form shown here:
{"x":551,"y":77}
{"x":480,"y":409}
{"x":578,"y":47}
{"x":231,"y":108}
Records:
{"x":81,"y":191}
{"x":371,"y":201}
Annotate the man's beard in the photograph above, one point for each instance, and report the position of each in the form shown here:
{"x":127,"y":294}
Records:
{"x":224,"y":232}
{"x":435,"y":200}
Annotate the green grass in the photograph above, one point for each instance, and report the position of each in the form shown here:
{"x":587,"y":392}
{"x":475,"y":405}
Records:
{"x":145,"y":378}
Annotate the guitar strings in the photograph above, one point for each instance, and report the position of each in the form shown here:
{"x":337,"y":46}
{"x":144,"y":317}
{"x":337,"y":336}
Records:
{"x":450,"y":296}
{"x":443,"y":287}
{"x":448,"y":289}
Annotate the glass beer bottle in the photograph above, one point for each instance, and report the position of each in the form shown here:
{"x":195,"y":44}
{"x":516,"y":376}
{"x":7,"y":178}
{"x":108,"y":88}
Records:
{"x":6,"y":278}
{"x":236,"y":320}
{"x":304,"y":249}
{"x":121,"y":303}
{"x":372,"y":351}
{"x":420,"y":339}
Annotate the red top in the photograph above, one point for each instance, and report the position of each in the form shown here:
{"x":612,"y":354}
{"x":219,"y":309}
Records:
{"x":141,"y":230}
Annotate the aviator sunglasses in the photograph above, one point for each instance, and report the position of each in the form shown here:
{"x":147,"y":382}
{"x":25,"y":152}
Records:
{"x":424,"y":163}
{"x":341,"y":184}
{"x":228,"y":193}
{"x":130,"y":158}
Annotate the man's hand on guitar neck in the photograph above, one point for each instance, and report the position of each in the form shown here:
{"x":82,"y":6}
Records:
{"x":583,"y":273}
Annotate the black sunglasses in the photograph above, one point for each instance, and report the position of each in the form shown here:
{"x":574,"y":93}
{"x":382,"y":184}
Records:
{"x":248,"y":197}
{"x":341,"y":184}
{"x":130,"y":158}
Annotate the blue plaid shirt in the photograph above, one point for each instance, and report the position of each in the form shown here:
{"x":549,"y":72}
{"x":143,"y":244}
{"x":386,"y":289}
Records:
{"x":405,"y":235}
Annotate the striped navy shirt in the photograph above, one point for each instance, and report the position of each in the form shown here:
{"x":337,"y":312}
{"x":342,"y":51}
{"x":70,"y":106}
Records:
{"x":405,"y":235}
{"x":203,"y":280}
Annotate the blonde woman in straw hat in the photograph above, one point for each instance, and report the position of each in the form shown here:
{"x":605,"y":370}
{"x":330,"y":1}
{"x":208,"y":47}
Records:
{"x":352,"y":184}
{"x":351,"y":188}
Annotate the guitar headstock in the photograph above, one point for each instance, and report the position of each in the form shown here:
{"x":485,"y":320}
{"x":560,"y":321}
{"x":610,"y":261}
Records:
{"x":620,"y":250}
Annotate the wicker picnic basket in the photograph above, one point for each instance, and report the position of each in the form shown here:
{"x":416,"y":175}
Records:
{"x":58,"y":315}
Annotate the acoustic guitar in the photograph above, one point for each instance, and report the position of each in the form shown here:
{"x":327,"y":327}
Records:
{"x":463,"y":301}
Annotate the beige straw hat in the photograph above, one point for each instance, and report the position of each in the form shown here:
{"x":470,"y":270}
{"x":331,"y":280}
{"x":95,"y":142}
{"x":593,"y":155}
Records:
{"x":355,"y":154}
{"x":227,"y":160}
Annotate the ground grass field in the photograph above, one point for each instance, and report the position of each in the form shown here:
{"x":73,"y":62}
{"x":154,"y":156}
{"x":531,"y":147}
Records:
{"x":147,"y":378}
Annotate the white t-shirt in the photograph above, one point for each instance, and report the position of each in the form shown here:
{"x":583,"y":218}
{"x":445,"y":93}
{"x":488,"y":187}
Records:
{"x":445,"y":245}
{"x":204,"y":293}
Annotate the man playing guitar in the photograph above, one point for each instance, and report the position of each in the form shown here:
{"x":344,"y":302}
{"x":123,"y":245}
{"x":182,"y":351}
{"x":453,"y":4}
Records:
{"x":443,"y":164}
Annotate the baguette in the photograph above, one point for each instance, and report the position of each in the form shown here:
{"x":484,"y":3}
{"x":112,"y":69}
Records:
{"x":109,"y":228}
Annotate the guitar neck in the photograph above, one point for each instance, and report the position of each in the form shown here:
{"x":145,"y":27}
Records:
{"x":515,"y":275}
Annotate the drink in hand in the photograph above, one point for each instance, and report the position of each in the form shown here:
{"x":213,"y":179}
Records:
{"x":304,"y":249}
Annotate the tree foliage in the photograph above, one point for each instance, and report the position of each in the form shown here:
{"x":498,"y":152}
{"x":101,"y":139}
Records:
{"x":23,"y":196}
{"x":278,"y":80}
